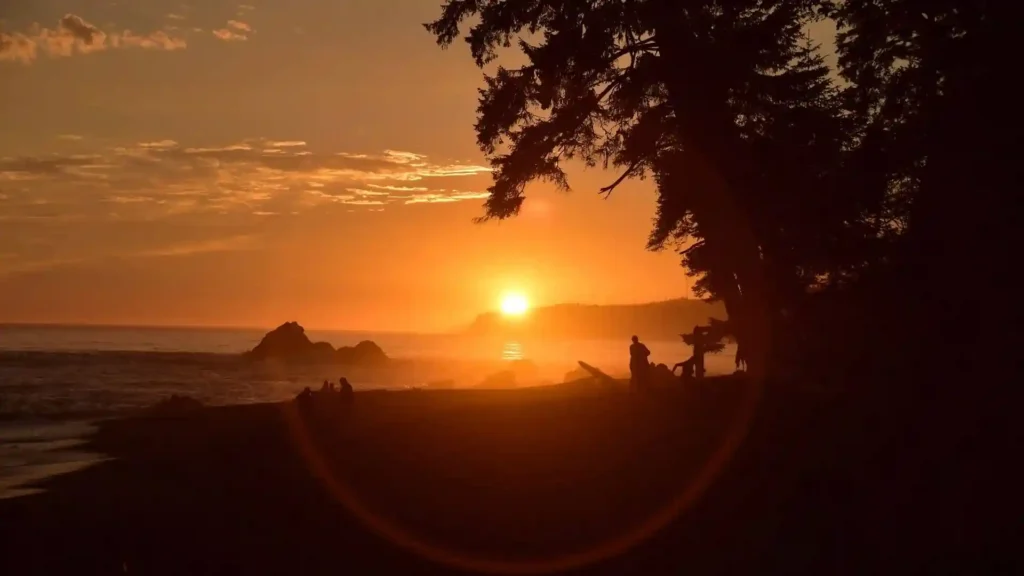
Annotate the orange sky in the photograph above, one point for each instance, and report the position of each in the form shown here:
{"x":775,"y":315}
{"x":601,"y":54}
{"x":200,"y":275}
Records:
{"x":226,"y":164}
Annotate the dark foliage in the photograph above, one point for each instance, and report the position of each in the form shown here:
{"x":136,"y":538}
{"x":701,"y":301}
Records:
{"x":726,"y":105}
{"x":828,"y":214}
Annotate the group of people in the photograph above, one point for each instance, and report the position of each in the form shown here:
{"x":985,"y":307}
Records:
{"x":640,"y":366}
{"x":345,"y":393}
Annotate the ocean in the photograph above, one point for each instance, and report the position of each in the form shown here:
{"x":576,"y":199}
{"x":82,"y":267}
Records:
{"x":55,"y":381}
{"x":90,"y":371}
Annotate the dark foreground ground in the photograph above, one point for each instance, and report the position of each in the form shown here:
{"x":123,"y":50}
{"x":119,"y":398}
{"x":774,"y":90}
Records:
{"x":522,"y":480}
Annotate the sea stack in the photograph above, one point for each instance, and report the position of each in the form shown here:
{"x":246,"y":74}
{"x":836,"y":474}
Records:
{"x":288,"y":342}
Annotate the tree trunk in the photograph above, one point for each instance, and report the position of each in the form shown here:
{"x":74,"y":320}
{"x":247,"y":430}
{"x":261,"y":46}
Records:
{"x":703,"y":126}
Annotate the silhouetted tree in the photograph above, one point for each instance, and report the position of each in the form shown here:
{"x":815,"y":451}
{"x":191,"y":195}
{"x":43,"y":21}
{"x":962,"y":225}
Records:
{"x":926,"y":91}
{"x":724,"y":103}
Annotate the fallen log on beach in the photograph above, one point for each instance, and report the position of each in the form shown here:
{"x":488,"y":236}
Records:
{"x":599,"y":376}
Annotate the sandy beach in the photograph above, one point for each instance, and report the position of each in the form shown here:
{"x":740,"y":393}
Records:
{"x":574,"y":479}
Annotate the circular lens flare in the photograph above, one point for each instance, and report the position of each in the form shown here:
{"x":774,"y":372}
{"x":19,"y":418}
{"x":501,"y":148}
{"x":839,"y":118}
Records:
{"x":630,"y":537}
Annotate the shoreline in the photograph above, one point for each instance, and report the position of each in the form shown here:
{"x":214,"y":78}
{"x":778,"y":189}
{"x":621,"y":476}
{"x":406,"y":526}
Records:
{"x":34,"y":451}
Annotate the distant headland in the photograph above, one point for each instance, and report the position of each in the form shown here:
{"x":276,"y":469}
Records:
{"x":666,"y":319}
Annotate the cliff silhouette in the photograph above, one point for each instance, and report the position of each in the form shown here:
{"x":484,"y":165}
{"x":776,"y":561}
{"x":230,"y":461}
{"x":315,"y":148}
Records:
{"x":652,"y":320}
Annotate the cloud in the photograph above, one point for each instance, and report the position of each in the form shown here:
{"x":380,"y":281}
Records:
{"x":70,"y":137}
{"x":73,"y":32}
{"x":17,"y":47}
{"x":407,"y":157}
{"x":235,"y":31}
{"x":246,"y":7}
{"x":399,"y":188}
{"x":74,"y":35}
{"x":164,"y":178}
{"x":453,"y":196}
{"x":231,"y":244}
{"x":173,"y":16}
{"x":19,"y":263}
{"x":158,"y":144}
{"x":229,"y":36}
{"x":158,"y":40}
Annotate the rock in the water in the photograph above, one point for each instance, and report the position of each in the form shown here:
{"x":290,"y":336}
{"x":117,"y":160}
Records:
{"x":366,"y":352}
{"x":503,"y":379}
{"x":289,"y":342}
{"x":321,"y":351}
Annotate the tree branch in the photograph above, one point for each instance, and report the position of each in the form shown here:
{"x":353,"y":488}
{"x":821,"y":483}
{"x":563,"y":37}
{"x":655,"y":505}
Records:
{"x":631,"y":48}
{"x":686,"y":251}
{"x":607,"y":190}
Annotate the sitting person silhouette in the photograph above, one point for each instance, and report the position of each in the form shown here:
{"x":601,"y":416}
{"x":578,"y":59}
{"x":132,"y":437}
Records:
{"x":638,"y":364}
{"x":688,"y":368}
{"x":347,"y":394}
{"x":304,"y":399}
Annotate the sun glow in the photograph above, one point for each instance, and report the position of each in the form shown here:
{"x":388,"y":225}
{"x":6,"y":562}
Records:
{"x":513,"y":304}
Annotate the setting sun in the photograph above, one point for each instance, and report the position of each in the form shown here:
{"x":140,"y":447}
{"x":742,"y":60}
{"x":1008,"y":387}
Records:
{"x":514,"y":304}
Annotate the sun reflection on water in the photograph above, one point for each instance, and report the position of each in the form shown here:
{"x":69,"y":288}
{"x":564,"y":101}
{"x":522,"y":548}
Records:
{"x":512,"y":351}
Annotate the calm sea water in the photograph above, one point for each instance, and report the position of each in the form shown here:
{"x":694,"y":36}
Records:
{"x":55,"y":380}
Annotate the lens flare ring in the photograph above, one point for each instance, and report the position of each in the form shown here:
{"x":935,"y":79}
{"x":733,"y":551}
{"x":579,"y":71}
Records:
{"x":690,"y":494}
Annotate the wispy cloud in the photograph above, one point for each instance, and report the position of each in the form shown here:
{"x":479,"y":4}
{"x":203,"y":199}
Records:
{"x":235,"y":30}
{"x":70,"y":137}
{"x":173,"y":16}
{"x":228,"y":35}
{"x":161,"y":178}
{"x":158,"y":40}
{"x":399,"y":188}
{"x":230,"y":244}
{"x":15,"y":264}
{"x":74,"y":35}
{"x":158,"y":144}
{"x":445,"y":196}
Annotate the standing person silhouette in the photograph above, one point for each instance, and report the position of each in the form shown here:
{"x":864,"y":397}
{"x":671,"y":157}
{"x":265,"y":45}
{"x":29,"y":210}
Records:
{"x":638,"y":364}
{"x":700,"y":335}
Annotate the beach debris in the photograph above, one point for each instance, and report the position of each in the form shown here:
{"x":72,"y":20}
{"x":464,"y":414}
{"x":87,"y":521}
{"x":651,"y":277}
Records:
{"x":599,"y":376}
